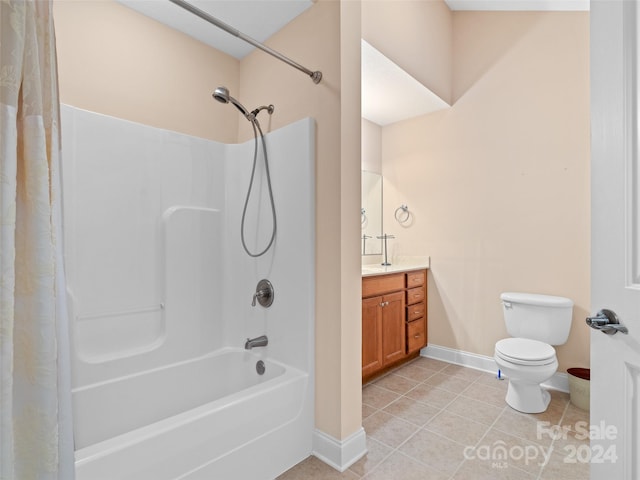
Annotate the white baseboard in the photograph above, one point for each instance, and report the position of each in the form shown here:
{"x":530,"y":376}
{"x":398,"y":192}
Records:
{"x":459,"y":357}
{"x":340,"y":454}
{"x":559,"y":381}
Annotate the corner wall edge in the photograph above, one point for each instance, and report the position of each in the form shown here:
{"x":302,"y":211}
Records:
{"x":339,"y":454}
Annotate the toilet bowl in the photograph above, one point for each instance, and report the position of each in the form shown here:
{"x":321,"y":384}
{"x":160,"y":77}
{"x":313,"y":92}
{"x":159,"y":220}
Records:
{"x":535,"y":322}
{"x":526,"y":363}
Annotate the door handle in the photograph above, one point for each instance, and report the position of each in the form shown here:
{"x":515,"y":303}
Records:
{"x":607,"y":322}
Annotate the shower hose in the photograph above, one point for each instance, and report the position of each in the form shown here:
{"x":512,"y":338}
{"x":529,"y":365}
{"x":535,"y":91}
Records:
{"x":256,"y":129}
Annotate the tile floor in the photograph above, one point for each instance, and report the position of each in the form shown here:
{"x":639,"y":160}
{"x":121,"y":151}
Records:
{"x":431,"y":420}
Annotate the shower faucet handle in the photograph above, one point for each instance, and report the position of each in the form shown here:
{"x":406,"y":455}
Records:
{"x":259,"y":294}
{"x":264,"y":294}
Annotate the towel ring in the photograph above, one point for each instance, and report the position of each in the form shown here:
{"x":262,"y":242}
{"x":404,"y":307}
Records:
{"x":363,"y":216}
{"x":402,"y":214}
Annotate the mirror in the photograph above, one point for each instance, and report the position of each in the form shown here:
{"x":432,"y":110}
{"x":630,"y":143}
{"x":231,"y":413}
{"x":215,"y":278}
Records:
{"x":371,"y":213}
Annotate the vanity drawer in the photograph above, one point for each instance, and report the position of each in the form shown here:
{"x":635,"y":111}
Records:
{"x":415,"y":295}
{"x":372,"y":286}
{"x":415,"y":311}
{"x":416,"y":335}
{"x":415,"y":279}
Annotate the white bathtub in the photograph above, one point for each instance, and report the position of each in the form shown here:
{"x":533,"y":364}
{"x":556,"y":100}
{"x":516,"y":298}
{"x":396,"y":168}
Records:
{"x":200,"y":419}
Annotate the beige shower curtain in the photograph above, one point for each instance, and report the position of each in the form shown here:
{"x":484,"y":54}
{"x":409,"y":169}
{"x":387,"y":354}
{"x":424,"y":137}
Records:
{"x":35,"y":409}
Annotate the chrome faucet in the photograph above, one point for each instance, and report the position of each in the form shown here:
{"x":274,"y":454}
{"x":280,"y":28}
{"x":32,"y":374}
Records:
{"x":261,"y":341}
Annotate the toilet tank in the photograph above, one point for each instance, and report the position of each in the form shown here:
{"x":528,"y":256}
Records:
{"x":539,"y":317}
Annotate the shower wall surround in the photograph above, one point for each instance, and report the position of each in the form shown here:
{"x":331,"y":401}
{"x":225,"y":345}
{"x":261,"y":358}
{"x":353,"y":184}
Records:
{"x":124,"y":185}
{"x":156,"y":271}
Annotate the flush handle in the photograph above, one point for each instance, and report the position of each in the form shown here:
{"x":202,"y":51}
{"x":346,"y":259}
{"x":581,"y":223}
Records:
{"x":607,"y":322}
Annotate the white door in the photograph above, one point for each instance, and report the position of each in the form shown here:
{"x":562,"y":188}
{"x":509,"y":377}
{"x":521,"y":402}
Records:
{"x":615,"y":247}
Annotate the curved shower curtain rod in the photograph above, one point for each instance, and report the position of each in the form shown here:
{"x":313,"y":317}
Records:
{"x":315,"y":76}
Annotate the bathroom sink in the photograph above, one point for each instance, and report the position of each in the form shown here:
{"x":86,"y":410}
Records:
{"x":378,"y":269}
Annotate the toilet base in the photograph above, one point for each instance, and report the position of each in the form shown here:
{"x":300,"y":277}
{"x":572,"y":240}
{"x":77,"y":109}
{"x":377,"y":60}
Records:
{"x":527,"y":397}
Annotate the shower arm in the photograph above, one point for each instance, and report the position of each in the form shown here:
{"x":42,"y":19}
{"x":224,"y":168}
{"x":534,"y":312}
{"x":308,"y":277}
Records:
{"x":315,"y":76}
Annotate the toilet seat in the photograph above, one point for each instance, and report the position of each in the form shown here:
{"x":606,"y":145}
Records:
{"x":524,"y":351}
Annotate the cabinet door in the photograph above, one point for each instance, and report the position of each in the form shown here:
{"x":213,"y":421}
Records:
{"x":371,"y":335}
{"x":393,"y":328}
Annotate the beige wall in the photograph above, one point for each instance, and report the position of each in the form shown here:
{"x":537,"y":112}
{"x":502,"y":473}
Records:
{"x":416,"y":35}
{"x":115,"y":61}
{"x":350,"y":265}
{"x":499,"y":183}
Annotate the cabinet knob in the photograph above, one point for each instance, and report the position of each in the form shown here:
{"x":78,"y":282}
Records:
{"x":417,"y":335}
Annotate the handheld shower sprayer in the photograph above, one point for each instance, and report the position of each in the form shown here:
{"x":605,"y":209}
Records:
{"x":221,"y":94}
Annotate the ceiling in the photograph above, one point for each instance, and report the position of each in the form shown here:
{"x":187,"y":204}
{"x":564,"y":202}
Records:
{"x":389,"y":94}
{"x":259,"y":19}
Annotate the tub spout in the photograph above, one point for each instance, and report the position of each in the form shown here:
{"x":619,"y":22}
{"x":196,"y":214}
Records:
{"x":261,"y":341}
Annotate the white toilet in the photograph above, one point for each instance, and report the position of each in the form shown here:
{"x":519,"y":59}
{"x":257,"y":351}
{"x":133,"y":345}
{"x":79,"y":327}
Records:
{"x":535,"y":322}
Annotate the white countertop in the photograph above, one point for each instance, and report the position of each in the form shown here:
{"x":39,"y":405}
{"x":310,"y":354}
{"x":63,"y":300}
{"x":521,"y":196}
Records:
{"x":401,"y":265}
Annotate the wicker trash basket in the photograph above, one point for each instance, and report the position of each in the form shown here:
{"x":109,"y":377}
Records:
{"x":579,"y":387}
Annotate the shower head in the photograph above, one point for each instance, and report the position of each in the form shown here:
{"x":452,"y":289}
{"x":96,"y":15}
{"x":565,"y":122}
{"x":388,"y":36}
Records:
{"x":221,"y":94}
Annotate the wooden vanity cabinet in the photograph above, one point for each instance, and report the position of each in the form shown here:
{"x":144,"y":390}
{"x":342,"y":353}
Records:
{"x":383,"y":339}
{"x":416,"y":310}
{"x":393,"y":319}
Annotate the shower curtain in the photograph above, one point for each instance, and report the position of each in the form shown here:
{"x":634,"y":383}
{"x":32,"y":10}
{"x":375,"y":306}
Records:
{"x":35,"y":397}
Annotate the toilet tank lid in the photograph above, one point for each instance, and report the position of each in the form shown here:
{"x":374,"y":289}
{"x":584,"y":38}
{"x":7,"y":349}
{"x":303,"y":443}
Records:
{"x":536,"y":299}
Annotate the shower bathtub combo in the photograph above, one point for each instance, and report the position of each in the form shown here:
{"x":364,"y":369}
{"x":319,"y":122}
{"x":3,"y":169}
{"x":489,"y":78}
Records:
{"x":185,"y":365}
